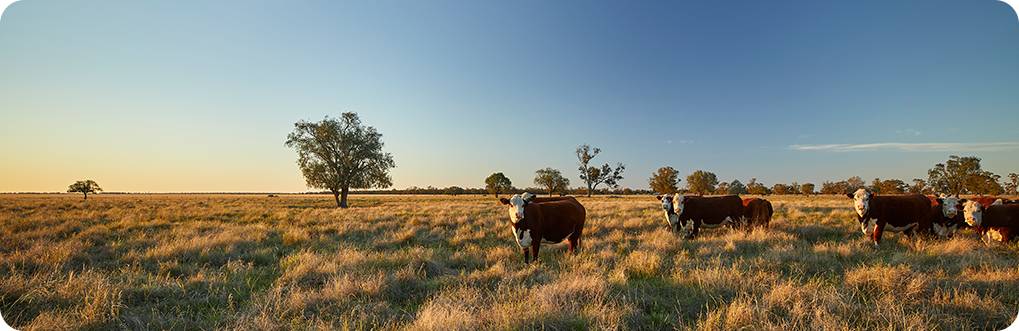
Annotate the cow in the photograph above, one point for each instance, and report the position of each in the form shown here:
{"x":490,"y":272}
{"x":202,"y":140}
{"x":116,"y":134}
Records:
{"x":896,"y":213}
{"x":946,"y":219}
{"x":537,"y":221}
{"x":756,"y":212}
{"x":997,"y":221}
{"x":693,"y":212}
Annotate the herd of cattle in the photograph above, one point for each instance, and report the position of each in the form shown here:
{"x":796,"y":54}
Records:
{"x":537,"y":221}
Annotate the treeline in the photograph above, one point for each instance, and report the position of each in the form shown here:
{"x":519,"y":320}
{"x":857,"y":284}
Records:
{"x":456,"y":190}
{"x":958,"y":175}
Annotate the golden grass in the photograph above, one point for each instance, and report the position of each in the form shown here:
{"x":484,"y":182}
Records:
{"x":448,"y":263}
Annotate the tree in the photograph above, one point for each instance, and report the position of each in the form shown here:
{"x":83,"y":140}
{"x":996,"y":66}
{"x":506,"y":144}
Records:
{"x":722,"y":188}
{"x":854,"y":183}
{"x":1012,"y":186}
{"x":737,"y":187}
{"x":497,"y":183}
{"x":664,"y":181}
{"x":888,"y":186}
{"x":962,"y":175}
{"x":592,"y":176}
{"x":919,"y":186}
{"x":807,"y":188}
{"x":782,"y":189}
{"x":701,"y":182}
{"x":454,"y":190}
{"x":341,"y":154}
{"x":84,"y":187}
{"x":753,"y":187}
{"x":840,"y":187}
{"x":551,"y":179}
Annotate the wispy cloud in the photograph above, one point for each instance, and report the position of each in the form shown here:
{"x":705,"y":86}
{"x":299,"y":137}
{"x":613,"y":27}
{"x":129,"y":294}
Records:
{"x":910,"y":147}
{"x":909,"y":132}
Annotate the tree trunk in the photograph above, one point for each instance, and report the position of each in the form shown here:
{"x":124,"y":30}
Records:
{"x":590,"y":190}
{"x":336,"y":195}
{"x":343,"y":197}
{"x":86,"y":195}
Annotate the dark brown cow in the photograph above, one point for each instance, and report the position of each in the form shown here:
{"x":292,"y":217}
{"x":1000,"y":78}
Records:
{"x":757,"y":212}
{"x":996,"y":221}
{"x":896,"y":213}
{"x":548,"y":222}
{"x":693,"y":212}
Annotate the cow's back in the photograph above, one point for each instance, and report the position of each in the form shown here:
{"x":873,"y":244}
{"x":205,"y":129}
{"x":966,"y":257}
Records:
{"x":712,"y":209}
{"x":900,"y":210}
{"x":560,"y":218}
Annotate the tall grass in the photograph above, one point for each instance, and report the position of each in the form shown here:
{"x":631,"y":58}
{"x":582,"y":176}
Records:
{"x":439,"y":262}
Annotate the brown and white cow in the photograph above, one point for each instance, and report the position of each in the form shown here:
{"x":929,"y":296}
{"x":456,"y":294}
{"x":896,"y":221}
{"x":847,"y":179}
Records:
{"x":537,"y":221}
{"x":946,"y":219}
{"x":693,"y":212}
{"x":997,"y":221}
{"x":757,"y":212}
{"x":908,"y":213}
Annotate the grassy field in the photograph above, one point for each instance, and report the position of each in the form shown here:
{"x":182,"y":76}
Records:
{"x":440,"y":262}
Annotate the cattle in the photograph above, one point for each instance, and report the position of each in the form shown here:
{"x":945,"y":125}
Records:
{"x":994,"y":222}
{"x":945,"y":216}
{"x":757,"y":212}
{"x":537,"y":221}
{"x":693,"y":212}
{"x":896,"y":213}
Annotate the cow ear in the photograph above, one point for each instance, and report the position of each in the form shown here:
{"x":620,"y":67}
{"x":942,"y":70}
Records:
{"x":940,"y":201}
{"x":850,"y":195}
{"x":504,"y":201}
{"x":658,"y":197}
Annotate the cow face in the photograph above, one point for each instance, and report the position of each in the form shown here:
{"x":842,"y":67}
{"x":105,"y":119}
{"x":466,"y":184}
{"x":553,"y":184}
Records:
{"x":973,"y":212}
{"x":861,"y":201}
{"x":949,"y":205}
{"x":519,"y":224}
{"x":671,"y":218}
{"x":677,"y":203}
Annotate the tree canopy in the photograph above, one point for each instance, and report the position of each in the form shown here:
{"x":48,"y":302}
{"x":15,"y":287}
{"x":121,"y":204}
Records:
{"x":551,"y":180}
{"x":593,"y":176}
{"x":665,"y":180}
{"x":341,"y":154}
{"x":84,"y":187}
{"x":701,"y":182}
{"x":498,"y":183}
{"x":963,"y":175}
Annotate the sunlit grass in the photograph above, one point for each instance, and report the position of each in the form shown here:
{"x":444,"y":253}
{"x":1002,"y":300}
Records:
{"x":441,"y":262}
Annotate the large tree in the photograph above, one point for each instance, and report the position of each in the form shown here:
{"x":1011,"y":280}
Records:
{"x":551,"y":180}
{"x":84,"y":187}
{"x":737,"y":187}
{"x":664,"y":181}
{"x":919,"y":186}
{"x":806,"y":188}
{"x":753,"y":187}
{"x":341,"y":154}
{"x":497,"y":183}
{"x":593,"y":176}
{"x":701,"y":182}
{"x":963,"y":175}
{"x":854,"y":183}
{"x":888,"y":186}
{"x":1012,"y":186}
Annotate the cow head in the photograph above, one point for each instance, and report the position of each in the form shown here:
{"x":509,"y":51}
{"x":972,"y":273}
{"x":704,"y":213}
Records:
{"x":517,"y":204}
{"x":671,"y":216}
{"x":861,"y":201}
{"x":949,"y":205}
{"x":973,"y":212}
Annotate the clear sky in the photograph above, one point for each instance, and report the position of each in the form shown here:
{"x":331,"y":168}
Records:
{"x":194,"y":96}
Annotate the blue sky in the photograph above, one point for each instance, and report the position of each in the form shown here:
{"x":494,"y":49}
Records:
{"x":200,"y":95}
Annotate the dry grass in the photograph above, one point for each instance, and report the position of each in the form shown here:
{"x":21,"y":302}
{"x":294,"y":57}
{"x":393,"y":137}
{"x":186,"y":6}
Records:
{"x":439,"y":263}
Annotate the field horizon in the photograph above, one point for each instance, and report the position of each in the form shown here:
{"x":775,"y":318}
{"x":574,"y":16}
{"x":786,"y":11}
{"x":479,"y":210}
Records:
{"x":441,"y":262}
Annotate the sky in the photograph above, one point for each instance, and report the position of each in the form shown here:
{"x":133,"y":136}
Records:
{"x":198,"y":96}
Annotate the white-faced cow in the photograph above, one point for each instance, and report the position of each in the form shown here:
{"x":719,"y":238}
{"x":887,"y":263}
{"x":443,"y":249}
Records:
{"x":693,"y":212}
{"x":908,"y":213}
{"x":946,"y":219}
{"x":995,"y":222}
{"x":757,"y":212}
{"x":537,"y":221}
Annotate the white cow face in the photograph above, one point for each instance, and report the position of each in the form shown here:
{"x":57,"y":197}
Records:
{"x":949,"y":205}
{"x":670,"y":217}
{"x":861,"y":201}
{"x":973,"y":212}
{"x":677,"y":203}
{"x":516,"y":207}
{"x":516,"y":203}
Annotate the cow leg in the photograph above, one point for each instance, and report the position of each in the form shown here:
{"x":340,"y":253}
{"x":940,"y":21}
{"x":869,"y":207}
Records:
{"x":527,"y":256}
{"x":534,"y":249}
{"x":574,"y":240}
{"x":878,"y":229}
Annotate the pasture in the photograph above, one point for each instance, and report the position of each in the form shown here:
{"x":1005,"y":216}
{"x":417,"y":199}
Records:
{"x":442,"y":262}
